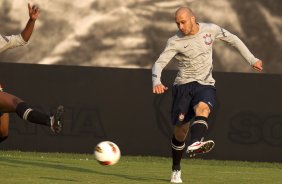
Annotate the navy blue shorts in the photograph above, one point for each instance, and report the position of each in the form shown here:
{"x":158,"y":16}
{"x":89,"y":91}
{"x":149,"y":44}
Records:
{"x":186,"y":96}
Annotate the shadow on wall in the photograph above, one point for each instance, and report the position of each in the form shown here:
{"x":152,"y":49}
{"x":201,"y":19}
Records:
{"x":8,"y":26}
{"x":7,"y":23}
{"x":262,"y":24}
{"x":133,"y":34}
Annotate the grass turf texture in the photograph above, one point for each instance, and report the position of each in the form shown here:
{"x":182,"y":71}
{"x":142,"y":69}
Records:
{"x":52,"y":168}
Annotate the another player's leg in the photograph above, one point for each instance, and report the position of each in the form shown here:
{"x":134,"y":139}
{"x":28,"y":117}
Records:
{"x":178,"y":145}
{"x":4,"y":122}
{"x":198,"y":131}
{"x":11,"y":103}
{"x":4,"y":126}
{"x":32,"y":115}
{"x":57,"y":120}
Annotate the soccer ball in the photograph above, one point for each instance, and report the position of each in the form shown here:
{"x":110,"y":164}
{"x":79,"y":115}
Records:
{"x":107,"y":153}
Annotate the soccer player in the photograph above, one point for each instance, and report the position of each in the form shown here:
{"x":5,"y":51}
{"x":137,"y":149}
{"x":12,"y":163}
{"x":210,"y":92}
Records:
{"x":10,"y":103}
{"x":193,"y":90}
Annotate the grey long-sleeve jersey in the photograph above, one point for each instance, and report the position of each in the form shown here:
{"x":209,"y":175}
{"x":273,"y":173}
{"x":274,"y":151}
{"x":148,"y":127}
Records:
{"x":9,"y":42}
{"x":194,"y":54}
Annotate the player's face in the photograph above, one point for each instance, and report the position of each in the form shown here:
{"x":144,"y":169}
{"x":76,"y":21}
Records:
{"x":184,"y":23}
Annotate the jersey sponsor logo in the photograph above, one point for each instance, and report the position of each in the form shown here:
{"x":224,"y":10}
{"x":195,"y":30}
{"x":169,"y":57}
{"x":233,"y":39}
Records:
{"x":208,"y":39}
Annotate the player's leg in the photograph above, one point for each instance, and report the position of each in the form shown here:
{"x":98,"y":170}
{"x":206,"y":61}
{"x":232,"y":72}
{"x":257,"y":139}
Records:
{"x":178,"y":144}
{"x":4,"y":126}
{"x":198,"y":131}
{"x":200,"y":125}
{"x":205,"y":101}
{"x":32,"y":115}
{"x":177,"y":149}
{"x":11,"y":103}
{"x":181,"y":101}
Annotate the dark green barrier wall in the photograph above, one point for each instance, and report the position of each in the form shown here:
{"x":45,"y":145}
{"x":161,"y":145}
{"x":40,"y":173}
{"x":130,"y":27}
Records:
{"x":118,"y":105}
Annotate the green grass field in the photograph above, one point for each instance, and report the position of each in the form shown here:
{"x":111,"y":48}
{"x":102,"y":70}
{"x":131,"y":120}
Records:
{"x":52,"y":168}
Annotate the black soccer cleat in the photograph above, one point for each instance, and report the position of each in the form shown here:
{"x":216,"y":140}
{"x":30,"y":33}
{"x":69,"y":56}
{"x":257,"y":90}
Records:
{"x":57,"y":120}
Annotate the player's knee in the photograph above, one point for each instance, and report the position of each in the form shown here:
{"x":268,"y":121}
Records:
{"x":3,"y":138}
{"x":202,"y":109}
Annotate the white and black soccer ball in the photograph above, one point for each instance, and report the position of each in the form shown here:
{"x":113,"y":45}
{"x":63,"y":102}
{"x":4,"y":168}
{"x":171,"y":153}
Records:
{"x":107,"y":153}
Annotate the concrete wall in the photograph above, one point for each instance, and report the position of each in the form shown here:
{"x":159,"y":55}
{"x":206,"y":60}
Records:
{"x":132,"y":33}
{"x":117,"y":105}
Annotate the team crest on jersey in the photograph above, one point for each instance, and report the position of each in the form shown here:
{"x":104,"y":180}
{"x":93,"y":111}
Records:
{"x":208,"y":39}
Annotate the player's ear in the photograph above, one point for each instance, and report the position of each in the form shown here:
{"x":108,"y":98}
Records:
{"x":193,"y":19}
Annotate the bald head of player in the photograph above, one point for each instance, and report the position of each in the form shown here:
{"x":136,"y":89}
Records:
{"x":186,"y":21}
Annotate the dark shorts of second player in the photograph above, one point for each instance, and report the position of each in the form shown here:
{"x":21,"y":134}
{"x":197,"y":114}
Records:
{"x":186,"y":96}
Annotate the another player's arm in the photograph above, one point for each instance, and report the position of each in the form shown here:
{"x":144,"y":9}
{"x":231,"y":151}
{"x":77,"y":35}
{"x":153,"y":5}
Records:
{"x":234,"y":41}
{"x":33,"y":15}
{"x":159,"y":65}
{"x":9,"y":42}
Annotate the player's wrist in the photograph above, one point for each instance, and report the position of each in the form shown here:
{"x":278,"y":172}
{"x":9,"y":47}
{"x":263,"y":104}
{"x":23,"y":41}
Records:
{"x":31,"y":20}
{"x":156,"y":82}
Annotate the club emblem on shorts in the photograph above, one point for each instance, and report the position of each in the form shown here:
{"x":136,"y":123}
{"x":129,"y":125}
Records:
{"x":181,"y":117}
{"x":208,"y":39}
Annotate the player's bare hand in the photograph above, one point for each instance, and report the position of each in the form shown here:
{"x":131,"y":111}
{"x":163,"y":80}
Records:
{"x":258,"y":65}
{"x":159,"y":89}
{"x":33,"y":11}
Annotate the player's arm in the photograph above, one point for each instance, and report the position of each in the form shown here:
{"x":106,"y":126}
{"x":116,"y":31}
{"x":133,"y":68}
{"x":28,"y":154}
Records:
{"x":234,"y":41}
{"x":159,"y":65}
{"x":33,"y":15}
